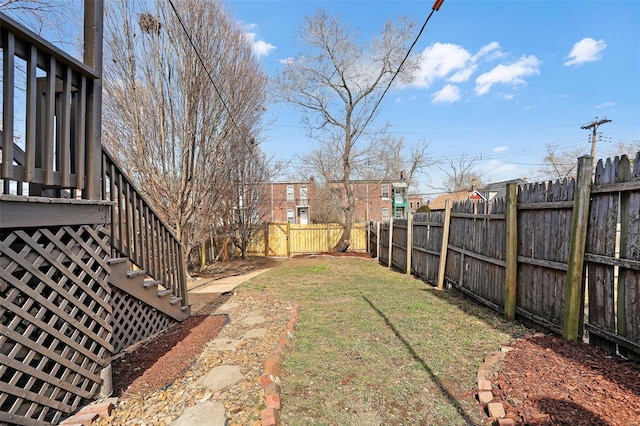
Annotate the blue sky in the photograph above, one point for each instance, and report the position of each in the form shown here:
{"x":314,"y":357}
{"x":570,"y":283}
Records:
{"x":500,"y":79}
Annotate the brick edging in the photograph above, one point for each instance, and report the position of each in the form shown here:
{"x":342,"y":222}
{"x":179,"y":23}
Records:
{"x":270,"y":416}
{"x":493,"y":407}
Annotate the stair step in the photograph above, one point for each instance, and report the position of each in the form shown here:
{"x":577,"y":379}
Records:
{"x":150,"y":283}
{"x":136,"y":273}
{"x":163,"y":293}
{"x":175,"y":299}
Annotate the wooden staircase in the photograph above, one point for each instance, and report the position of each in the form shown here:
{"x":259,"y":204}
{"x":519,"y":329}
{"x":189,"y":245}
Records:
{"x":139,"y":285}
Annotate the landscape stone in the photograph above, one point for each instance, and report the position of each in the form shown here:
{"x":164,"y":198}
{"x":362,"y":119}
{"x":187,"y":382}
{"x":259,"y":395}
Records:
{"x":254,"y":320}
{"x":221,"y":376}
{"x":207,"y":413}
{"x":256,"y":333}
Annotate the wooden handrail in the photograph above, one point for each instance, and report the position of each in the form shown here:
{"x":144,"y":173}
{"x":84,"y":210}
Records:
{"x":56,"y":88}
{"x":139,"y":232}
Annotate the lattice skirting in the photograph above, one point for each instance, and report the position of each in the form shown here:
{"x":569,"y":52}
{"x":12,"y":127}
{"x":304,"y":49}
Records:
{"x":134,"y":320}
{"x":55,"y":320}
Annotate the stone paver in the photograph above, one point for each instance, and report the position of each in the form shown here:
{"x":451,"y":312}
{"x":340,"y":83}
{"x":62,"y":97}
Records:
{"x":221,"y":376}
{"x":256,"y":333}
{"x":206,"y":413}
{"x":253,"y":319}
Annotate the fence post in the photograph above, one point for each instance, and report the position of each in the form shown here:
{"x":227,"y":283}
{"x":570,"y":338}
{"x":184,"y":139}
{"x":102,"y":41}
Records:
{"x":511,"y":255}
{"x":445,"y":243}
{"x":390,"y":241}
{"x":377,"y":240}
{"x":409,"y":241}
{"x":574,"y":290}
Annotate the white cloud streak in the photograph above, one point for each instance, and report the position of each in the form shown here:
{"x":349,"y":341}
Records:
{"x":447,"y":95}
{"x":511,"y":74}
{"x":585,"y":50}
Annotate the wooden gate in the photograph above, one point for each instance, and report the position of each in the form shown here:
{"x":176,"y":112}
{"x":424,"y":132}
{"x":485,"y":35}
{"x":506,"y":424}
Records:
{"x":278,"y":240}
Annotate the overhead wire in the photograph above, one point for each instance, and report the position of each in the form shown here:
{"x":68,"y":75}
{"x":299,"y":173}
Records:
{"x":436,"y":6}
{"x":215,"y":87}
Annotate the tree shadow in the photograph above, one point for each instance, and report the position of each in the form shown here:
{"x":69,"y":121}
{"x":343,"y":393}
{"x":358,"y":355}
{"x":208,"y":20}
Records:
{"x":445,"y":392}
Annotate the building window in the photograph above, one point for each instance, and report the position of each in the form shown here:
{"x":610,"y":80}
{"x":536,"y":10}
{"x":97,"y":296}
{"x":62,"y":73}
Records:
{"x":303,"y":195}
{"x":417,"y":204}
{"x":290,"y":216}
{"x":385,"y":214}
{"x":385,"y":191}
{"x":411,"y":205}
{"x":289,"y":192}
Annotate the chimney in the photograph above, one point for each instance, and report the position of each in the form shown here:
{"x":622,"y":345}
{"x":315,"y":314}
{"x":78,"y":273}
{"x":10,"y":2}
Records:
{"x":403,"y":175}
{"x":473,"y":184}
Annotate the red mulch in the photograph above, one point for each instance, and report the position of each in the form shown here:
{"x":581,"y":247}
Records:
{"x":159,"y":362}
{"x":550,"y":381}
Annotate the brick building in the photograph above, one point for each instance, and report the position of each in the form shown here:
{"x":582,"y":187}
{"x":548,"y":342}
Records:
{"x":307,"y":202}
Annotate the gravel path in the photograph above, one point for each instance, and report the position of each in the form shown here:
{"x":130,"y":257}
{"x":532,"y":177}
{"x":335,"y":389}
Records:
{"x":248,"y":340}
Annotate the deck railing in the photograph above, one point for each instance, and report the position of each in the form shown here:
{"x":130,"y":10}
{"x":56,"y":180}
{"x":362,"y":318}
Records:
{"x":46,"y":115}
{"x":140,"y":234}
{"x":46,"y":137}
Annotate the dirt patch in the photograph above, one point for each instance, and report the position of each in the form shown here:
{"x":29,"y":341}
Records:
{"x":158,"y":362}
{"x":352,"y":254}
{"x":234,"y":266}
{"x":550,"y":381}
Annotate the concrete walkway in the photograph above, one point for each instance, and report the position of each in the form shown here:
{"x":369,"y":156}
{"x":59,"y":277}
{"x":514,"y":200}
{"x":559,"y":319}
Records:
{"x":223,"y":285}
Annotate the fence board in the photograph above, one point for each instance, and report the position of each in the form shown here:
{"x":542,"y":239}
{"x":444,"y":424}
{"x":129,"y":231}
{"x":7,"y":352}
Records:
{"x":383,"y":255}
{"x":427,"y":242}
{"x":399,"y":244}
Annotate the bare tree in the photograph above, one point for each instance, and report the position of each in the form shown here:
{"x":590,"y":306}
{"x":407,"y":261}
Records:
{"x":560,"y":164}
{"x":48,"y":18}
{"x":460,"y":174}
{"x":171,"y":121}
{"x":630,"y":149}
{"x":337,"y":83}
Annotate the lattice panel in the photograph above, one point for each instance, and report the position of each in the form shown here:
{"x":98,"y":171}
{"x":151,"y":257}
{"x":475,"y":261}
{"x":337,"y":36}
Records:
{"x":134,"y":320}
{"x":55,"y":320}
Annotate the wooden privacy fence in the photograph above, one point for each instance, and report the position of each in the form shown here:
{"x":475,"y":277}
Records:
{"x":289,"y":239}
{"x":534,"y":253}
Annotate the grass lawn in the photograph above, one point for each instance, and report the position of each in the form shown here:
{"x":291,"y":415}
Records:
{"x":376,"y":347}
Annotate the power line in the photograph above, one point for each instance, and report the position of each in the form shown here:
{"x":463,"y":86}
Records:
{"x":215,"y":87}
{"x":436,"y":6}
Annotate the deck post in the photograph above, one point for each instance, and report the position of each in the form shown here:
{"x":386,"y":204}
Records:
{"x":93,"y":36}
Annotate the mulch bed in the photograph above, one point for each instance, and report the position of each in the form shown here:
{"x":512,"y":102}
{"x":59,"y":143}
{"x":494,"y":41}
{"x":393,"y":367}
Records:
{"x":159,"y":362}
{"x":550,"y":381}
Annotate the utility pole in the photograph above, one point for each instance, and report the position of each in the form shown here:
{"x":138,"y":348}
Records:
{"x":594,"y":125}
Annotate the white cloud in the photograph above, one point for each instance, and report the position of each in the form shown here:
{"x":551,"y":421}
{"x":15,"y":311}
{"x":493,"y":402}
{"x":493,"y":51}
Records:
{"x":501,"y":148}
{"x":287,"y":61}
{"x":606,"y":104}
{"x":586,"y":50}
{"x":512,"y":74}
{"x":438,"y":61}
{"x":260,"y":47}
{"x":448,"y":94}
{"x":452,"y":62}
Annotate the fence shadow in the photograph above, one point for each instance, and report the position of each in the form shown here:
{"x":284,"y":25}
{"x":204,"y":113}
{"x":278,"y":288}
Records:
{"x":473,"y":308}
{"x":624,"y":373}
{"x":445,"y":392}
{"x":565,"y":413}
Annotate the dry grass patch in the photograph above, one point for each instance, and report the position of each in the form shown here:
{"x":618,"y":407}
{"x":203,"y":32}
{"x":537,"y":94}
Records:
{"x":375,"y":347}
